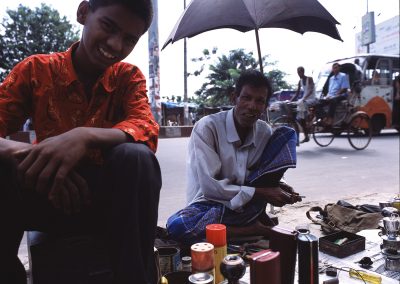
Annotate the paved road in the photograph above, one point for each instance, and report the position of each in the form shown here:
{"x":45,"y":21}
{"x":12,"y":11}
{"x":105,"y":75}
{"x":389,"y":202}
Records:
{"x":333,"y":172}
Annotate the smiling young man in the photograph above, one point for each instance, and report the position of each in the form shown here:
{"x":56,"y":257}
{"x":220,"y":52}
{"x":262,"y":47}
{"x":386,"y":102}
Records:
{"x":93,"y":167}
{"x":223,"y":149}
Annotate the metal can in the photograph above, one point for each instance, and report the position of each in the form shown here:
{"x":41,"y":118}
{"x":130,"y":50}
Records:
{"x":307,"y":257}
{"x":201,"y":278}
{"x":157,"y":263}
{"x":170,"y":259}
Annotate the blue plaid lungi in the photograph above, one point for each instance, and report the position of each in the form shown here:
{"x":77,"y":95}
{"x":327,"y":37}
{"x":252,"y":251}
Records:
{"x":189,"y":224}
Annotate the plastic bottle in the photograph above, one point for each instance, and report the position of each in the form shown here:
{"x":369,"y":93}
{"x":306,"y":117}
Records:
{"x":216,"y":235}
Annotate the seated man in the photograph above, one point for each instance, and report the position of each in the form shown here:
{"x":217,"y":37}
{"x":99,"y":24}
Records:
{"x":226,"y":153}
{"x":93,"y":168}
{"x":337,"y":92}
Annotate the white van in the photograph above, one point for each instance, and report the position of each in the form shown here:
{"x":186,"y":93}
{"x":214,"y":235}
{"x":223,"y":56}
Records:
{"x":373,"y":79}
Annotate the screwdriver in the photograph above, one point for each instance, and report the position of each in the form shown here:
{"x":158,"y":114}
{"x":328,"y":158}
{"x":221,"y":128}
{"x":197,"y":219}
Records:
{"x":367,"y":277}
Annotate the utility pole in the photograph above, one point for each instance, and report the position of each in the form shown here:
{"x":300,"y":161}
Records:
{"x":367,"y":44}
{"x":185,"y":76}
{"x":154,"y":66}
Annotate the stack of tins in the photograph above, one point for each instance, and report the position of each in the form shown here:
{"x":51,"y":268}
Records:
{"x":203,"y":258}
{"x":216,"y":235}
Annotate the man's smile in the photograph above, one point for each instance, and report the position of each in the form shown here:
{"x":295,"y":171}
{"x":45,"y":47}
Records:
{"x":107,"y":54}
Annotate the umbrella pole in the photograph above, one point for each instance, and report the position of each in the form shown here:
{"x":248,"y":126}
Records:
{"x":259,"y":52}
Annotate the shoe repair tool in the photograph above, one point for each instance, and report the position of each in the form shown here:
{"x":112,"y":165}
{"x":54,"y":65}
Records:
{"x":331,"y":281}
{"x":391,"y":242}
{"x":246,"y":248}
{"x":367,"y":277}
{"x":233,"y":268}
{"x":365,"y":262}
{"x":331,"y":271}
{"x":201,"y":278}
{"x":202,"y":258}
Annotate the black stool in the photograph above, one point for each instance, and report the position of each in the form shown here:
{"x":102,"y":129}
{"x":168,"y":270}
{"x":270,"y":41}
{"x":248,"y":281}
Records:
{"x":78,"y":259}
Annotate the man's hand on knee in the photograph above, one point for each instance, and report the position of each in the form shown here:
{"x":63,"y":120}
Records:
{"x":72,"y":195}
{"x":47,"y":164}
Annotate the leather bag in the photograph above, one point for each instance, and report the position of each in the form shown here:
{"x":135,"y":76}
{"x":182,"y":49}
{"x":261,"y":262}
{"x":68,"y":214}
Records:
{"x":335,"y":218}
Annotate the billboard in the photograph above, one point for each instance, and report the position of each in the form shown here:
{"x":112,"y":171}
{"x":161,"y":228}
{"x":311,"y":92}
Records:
{"x":387,"y":38}
{"x":368,"y":29}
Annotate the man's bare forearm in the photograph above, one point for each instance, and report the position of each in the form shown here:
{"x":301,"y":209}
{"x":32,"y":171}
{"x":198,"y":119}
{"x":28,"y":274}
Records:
{"x":103,"y":137}
{"x":9,"y":147}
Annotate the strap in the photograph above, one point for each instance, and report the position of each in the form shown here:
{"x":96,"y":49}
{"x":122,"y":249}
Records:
{"x":315,"y":209}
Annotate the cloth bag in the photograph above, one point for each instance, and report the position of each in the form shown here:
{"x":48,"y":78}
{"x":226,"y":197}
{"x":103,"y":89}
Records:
{"x":334,"y":218}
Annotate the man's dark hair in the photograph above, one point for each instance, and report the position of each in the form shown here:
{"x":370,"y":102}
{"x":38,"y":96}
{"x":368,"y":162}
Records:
{"x":300,"y":68}
{"x":255,"y":79}
{"x":142,"y":8}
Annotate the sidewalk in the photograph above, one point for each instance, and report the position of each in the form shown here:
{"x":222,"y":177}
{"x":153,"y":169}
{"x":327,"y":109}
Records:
{"x":289,"y":216}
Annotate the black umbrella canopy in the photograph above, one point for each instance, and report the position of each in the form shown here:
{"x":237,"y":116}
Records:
{"x":245,"y":15}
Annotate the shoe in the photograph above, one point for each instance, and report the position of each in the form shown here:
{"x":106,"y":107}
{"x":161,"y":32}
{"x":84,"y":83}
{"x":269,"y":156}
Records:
{"x":305,"y":140}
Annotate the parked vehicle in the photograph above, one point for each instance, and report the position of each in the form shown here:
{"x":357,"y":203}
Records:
{"x":373,"y":80}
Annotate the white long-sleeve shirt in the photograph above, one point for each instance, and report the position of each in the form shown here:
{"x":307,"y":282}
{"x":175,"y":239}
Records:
{"x":218,"y":164}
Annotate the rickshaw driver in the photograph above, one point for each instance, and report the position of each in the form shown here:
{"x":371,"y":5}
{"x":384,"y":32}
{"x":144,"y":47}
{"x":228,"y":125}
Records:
{"x":337,"y":92}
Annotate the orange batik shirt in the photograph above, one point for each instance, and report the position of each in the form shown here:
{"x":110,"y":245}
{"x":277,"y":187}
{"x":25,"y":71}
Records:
{"x":46,"y":88}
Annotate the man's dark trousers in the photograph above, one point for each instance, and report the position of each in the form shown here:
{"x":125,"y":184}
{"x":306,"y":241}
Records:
{"x":125,"y":195}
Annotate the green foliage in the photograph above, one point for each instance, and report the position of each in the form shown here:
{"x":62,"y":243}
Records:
{"x":277,"y":80}
{"x":26,"y":32}
{"x":219,"y":85}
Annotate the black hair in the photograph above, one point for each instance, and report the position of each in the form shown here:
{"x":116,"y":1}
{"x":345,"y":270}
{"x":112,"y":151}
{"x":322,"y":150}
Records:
{"x":255,"y":79}
{"x":300,"y":68}
{"x":142,"y":8}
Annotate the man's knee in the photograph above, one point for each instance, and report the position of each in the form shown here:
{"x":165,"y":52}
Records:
{"x":133,"y":164}
{"x":131,"y":154}
{"x":130,"y":150}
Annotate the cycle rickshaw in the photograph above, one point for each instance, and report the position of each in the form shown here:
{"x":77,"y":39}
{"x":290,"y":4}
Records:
{"x":348,"y":118}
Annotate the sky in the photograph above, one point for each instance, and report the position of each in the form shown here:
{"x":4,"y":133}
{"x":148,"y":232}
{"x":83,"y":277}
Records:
{"x":287,"y":48}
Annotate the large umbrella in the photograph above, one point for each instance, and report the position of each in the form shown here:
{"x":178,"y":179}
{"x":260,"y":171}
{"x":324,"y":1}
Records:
{"x":244,"y":15}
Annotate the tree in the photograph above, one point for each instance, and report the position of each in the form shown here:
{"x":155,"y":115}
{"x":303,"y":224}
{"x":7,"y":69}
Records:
{"x":220,"y":82}
{"x":26,"y":32}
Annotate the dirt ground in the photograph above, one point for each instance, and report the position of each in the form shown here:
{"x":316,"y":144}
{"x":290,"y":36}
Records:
{"x":294,"y":215}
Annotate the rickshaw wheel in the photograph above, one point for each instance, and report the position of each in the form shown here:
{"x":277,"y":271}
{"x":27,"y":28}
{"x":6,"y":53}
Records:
{"x":321,"y":135}
{"x":285,"y":120}
{"x":359,"y":131}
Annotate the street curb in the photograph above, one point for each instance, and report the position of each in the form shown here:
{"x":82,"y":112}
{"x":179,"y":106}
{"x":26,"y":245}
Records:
{"x":175,"y":131}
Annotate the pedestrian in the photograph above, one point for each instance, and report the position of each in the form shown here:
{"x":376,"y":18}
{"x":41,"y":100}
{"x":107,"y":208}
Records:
{"x":231,"y":177}
{"x":93,"y":167}
{"x":306,"y":84}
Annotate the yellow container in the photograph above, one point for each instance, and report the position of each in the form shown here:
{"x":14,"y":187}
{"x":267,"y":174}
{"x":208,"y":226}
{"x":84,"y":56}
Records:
{"x":216,"y":235}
